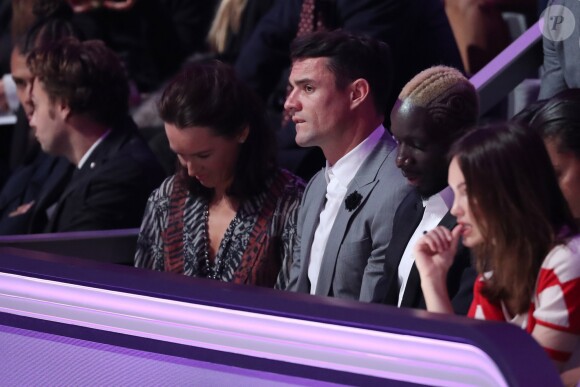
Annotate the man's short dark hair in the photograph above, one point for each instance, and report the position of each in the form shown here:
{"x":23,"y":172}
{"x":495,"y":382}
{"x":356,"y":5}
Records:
{"x":351,"y":57}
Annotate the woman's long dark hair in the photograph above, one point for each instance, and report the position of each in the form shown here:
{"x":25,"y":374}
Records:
{"x":209,"y":94}
{"x":521,"y":212}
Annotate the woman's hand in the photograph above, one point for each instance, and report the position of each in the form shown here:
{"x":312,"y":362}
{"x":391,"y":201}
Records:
{"x":571,"y":377}
{"x":434,"y":253}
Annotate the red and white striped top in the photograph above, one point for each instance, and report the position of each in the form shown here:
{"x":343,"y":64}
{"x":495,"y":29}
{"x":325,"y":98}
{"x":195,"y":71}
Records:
{"x":554,"y":315}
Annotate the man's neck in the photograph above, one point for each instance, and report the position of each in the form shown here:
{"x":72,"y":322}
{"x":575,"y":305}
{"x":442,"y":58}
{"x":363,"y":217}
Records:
{"x":425,"y":196}
{"x":349,"y":140}
{"x":84,"y":135}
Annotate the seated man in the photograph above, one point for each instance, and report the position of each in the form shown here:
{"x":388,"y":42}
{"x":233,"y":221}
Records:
{"x":560,"y":43}
{"x":436,"y":107}
{"x":416,"y":31}
{"x":80,"y":104}
{"x":30,"y":168}
{"x":340,"y":86}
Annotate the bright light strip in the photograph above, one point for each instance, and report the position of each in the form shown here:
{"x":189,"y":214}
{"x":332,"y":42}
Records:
{"x":355,"y":350}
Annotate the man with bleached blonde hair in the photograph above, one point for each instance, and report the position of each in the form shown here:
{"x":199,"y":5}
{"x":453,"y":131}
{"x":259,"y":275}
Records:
{"x":437,"y":106}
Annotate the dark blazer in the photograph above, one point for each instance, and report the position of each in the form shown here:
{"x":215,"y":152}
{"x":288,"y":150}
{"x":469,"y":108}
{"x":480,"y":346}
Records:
{"x":25,"y":185}
{"x":109,"y":192}
{"x":460,"y":278}
{"x":5,"y":36}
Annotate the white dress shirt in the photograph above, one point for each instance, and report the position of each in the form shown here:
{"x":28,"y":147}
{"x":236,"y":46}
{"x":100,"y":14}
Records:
{"x":435,"y":209}
{"x":338,"y":178}
{"x":88,"y":153}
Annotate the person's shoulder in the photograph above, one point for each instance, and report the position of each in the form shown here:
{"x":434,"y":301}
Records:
{"x":136,"y":147}
{"x":383,"y":154}
{"x":286,"y":186}
{"x":389,"y":174}
{"x":160,"y":197}
{"x":317,"y":179}
{"x":564,"y":259}
{"x":165,"y":188}
{"x":571,"y":246}
{"x":130,"y":154}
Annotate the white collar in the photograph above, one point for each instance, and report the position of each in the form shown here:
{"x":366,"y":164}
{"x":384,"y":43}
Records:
{"x":92,"y":149}
{"x":442,"y":198}
{"x":348,"y":165}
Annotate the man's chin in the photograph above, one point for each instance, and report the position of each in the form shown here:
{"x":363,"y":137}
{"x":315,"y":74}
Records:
{"x":425,"y":192}
{"x":45,"y":149}
{"x":302,"y":142}
{"x":49,"y":151}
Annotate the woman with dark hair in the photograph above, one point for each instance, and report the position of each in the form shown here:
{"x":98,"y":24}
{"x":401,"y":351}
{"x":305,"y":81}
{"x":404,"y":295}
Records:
{"x":228,"y":213}
{"x":523,"y":236}
{"x":558,"y":122}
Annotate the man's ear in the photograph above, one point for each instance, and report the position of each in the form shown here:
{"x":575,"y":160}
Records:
{"x":63,"y":109}
{"x":360,"y":90}
{"x":243,"y":136}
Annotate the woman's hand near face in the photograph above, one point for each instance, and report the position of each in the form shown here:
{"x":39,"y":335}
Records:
{"x":434,"y":253}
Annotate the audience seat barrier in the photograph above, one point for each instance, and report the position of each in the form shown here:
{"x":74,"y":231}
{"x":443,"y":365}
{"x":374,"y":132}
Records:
{"x":113,"y":246}
{"x":519,"y":61}
{"x":83,"y":322}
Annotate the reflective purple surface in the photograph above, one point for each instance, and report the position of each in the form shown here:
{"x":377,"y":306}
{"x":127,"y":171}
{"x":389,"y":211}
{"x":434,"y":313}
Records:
{"x":36,"y":358}
{"x":519,"y":358}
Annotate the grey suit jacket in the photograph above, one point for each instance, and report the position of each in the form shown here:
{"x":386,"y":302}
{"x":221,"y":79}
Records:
{"x":561,"y":57}
{"x":353,"y":261}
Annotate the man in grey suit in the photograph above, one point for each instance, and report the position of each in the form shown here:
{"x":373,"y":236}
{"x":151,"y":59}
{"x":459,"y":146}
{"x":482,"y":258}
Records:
{"x":561,"y":34}
{"x":339,"y":87}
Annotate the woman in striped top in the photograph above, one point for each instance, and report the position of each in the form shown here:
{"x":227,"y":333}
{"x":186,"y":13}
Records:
{"x":512,"y":214}
{"x":229,"y":213}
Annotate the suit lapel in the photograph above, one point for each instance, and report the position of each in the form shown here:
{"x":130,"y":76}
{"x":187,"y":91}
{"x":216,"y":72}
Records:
{"x":405,"y":224}
{"x":413,"y":295}
{"x":51,"y":192}
{"x":110,"y":145}
{"x":317,"y":198}
{"x":363,"y":183}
